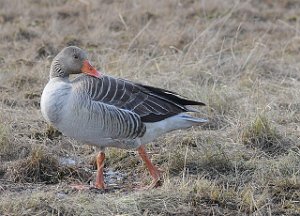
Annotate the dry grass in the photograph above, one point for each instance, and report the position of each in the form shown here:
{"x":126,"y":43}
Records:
{"x":260,"y":134}
{"x":240,"y":57}
{"x":5,"y":146}
{"x":38,"y":167}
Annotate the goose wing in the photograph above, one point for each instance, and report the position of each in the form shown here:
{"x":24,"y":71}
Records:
{"x":151,"y":104}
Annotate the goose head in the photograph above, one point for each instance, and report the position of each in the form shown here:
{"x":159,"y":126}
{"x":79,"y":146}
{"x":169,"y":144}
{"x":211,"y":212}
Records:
{"x":72,"y":60}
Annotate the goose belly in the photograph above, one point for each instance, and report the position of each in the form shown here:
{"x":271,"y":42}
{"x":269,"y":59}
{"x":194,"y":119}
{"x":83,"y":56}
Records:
{"x":79,"y":123}
{"x":82,"y":126}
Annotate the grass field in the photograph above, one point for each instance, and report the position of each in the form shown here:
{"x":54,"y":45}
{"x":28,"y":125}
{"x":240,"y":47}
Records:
{"x":239,"y":57}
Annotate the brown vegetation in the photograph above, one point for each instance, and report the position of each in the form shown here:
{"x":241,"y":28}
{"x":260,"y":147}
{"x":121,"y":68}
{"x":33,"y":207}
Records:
{"x":239,"y":57}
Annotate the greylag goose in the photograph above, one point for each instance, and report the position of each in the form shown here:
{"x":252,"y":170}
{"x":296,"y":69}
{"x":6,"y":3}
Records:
{"x":104,"y":111}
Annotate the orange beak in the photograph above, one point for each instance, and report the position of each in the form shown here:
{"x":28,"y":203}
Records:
{"x":87,"y":68}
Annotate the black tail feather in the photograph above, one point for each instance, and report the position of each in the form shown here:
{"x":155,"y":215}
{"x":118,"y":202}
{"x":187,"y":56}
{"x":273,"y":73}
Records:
{"x":170,"y":96}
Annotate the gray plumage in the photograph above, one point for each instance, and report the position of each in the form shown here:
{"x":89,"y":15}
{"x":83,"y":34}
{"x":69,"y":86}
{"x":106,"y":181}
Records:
{"x":107,"y":111}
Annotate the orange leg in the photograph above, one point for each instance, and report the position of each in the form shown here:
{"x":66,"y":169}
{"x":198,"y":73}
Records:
{"x":152,"y":169}
{"x":99,"y":176}
{"x":100,"y":167}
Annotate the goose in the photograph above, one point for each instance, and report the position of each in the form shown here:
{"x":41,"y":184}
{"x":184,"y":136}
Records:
{"x":105,"y":111}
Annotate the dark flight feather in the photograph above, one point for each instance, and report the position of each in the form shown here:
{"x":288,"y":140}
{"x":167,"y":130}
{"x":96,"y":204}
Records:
{"x":152,"y":104}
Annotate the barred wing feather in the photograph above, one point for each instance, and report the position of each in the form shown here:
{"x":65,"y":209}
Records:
{"x":151,"y":104}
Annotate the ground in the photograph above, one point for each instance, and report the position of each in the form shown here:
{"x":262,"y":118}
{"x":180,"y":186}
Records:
{"x":239,"y":57}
